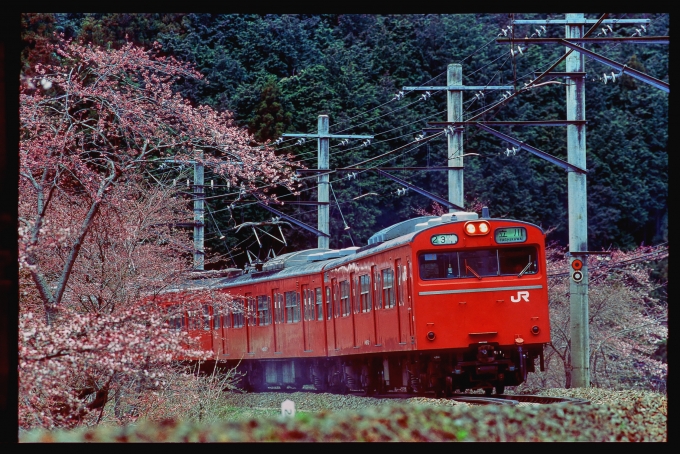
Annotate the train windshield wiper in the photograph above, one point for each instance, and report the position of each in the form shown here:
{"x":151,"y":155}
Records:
{"x":526,"y":268}
{"x":468,"y":267}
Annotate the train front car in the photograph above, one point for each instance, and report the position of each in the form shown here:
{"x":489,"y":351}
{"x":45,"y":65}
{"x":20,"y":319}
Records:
{"x":480,"y":302}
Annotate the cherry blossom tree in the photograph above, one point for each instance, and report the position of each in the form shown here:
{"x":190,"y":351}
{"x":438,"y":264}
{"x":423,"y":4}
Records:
{"x":102,"y":115}
{"x":97,"y":239}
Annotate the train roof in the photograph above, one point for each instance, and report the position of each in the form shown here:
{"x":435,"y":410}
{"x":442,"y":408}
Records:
{"x":317,"y":260}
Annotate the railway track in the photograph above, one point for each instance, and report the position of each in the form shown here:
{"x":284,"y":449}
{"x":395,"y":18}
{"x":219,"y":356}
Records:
{"x":498,"y":399}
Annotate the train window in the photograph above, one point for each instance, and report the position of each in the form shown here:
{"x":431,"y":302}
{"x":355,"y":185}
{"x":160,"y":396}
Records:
{"x":278,"y":312}
{"x":478,"y":263}
{"x":355,"y":299}
{"x":308,"y":303}
{"x":206,"y":317}
{"x":226,"y":318}
{"x":251,"y":312}
{"x":517,"y":260}
{"x":264,"y":316}
{"x":400,"y":283}
{"x":183,"y":321}
{"x":344,"y":298}
{"x":239,"y":319}
{"x":292,"y":307}
{"x":217,"y":318}
{"x":336,"y":298}
{"x":388,"y":287}
{"x":329,"y":304}
{"x":378,"y":288}
{"x":365,"y":292}
{"x":319,"y":303}
{"x":440,"y":265}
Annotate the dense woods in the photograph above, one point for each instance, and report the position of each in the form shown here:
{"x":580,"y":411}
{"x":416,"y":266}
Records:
{"x":99,"y":213}
{"x":277,"y":73}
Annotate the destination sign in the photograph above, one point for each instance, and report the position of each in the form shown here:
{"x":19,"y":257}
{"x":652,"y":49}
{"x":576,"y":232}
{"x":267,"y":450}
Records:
{"x":444,"y":238}
{"x":511,"y":235}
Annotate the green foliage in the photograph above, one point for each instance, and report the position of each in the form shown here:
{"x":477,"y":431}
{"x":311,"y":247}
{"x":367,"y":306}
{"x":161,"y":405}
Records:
{"x":278,"y":73}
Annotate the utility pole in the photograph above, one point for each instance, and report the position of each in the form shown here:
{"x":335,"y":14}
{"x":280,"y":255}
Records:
{"x":576,"y":155}
{"x":578,"y":208}
{"x":199,"y":216}
{"x":454,"y":113}
{"x":323,"y":180}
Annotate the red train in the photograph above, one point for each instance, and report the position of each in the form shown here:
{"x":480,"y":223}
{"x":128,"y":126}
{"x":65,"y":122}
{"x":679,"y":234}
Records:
{"x":430,"y":304}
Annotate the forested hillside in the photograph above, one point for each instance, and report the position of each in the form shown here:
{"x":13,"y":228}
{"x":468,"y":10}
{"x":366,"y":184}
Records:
{"x":278,"y":73}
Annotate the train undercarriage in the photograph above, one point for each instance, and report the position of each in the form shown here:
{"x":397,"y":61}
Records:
{"x":481,"y":366}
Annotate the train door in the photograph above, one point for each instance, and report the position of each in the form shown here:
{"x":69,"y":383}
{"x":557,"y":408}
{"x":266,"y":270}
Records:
{"x":330,"y":332}
{"x":251,"y":315}
{"x":276,"y":318}
{"x":226,"y":329}
{"x":306,"y":318}
{"x":375,"y":294}
{"x":336,"y":311}
{"x":409,"y":302}
{"x":401,"y":308}
{"x":217,"y":330}
{"x":353,"y":306}
{"x":206,"y":325}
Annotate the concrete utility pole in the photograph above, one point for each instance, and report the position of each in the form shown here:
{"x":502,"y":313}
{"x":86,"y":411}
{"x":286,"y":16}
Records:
{"x":454,"y":112}
{"x":576,"y":154}
{"x":199,"y":216}
{"x":578,"y":208}
{"x":323,"y":180}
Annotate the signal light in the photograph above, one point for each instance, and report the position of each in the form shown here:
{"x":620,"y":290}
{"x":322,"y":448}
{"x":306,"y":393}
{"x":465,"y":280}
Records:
{"x":477,"y":228}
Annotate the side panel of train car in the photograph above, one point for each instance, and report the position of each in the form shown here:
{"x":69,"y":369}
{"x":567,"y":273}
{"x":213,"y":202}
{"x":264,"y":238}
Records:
{"x":452,"y":303}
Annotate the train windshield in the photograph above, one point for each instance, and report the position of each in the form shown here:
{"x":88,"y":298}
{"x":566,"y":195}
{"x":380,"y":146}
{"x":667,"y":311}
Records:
{"x":478,"y":263}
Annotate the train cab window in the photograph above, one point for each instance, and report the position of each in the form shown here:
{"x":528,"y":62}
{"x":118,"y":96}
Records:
{"x":440,"y":265}
{"x":518,"y":260}
{"x":478,"y":263}
{"x":344,"y":298}
{"x":388,"y":288}
{"x":365,"y":292}
{"x":292,"y":307}
{"x":264,"y":315}
{"x":329,"y":304}
{"x":319,"y":303}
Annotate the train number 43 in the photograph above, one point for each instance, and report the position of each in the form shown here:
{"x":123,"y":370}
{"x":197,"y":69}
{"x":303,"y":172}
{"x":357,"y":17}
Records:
{"x":521,"y":295}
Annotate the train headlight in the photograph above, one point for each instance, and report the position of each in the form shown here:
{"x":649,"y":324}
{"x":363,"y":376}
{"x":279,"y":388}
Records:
{"x":477,"y":228}
{"x":535,"y":329}
{"x":430,"y":336}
